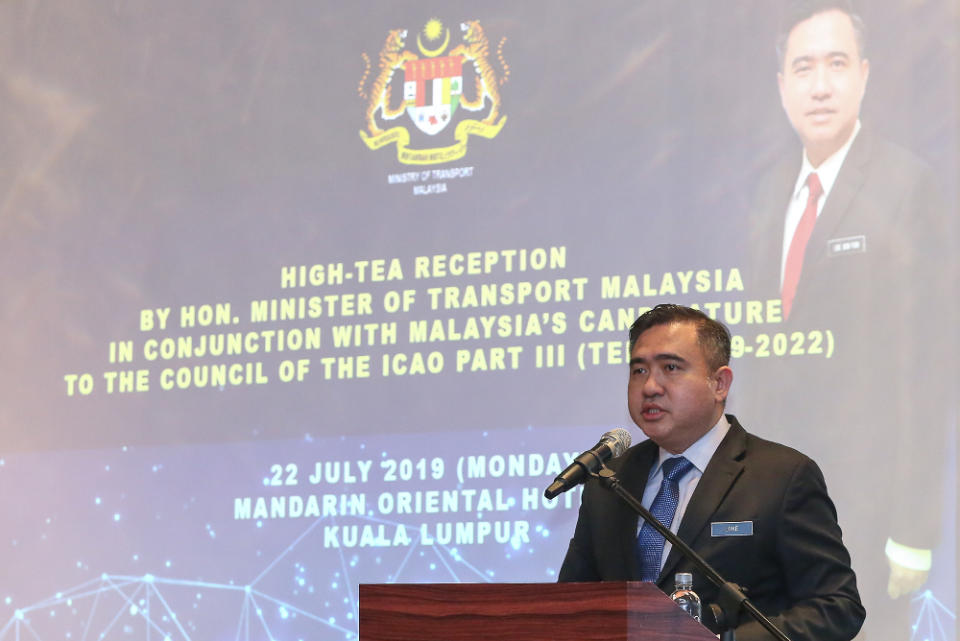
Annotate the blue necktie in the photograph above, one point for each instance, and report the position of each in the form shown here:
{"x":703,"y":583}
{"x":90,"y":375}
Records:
{"x":650,"y":542}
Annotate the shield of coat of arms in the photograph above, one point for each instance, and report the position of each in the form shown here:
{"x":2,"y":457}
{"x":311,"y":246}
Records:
{"x":431,"y":91}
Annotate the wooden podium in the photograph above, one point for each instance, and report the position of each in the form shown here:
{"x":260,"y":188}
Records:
{"x":523,"y":612}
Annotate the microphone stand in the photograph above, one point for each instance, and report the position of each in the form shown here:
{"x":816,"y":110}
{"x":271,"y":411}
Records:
{"x":731,"y":597}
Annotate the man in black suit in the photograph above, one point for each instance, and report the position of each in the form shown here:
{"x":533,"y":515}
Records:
{"x":756,"y":510}
{"x":872,"y":277}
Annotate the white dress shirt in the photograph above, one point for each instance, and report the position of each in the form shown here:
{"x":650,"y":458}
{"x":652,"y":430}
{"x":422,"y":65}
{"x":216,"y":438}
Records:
{"x":699,"y":454}
{"x":827,"y":173}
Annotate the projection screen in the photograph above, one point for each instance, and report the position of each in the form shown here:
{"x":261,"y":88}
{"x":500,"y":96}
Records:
{"x":302,"y":295}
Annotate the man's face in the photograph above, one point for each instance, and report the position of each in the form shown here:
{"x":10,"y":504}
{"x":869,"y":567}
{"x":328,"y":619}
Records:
{"x":672,"y":394}
{"x":822,"y":82}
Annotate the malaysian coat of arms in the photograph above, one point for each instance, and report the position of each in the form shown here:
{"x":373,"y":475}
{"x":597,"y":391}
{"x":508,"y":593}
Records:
{"x":435,"y":86}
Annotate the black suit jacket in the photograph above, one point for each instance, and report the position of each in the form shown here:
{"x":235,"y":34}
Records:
{"x":794,"y":567}
{"x":878,"y":408}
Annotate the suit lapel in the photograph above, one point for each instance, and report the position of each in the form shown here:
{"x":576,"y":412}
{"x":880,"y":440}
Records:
{"x":852,"y":175}
{"x":768,"y":226}
{"x":722,"y":472}
{"x":633,"y":475}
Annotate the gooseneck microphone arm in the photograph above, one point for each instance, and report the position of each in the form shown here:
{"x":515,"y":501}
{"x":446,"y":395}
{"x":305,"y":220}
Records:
{"x":732,"y":599}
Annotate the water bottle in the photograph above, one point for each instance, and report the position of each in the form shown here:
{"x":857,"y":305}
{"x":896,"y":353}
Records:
{"x":684,"y":596}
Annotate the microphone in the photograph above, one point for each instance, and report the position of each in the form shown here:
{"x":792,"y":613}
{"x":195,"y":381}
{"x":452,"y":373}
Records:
{"x":612,"y":444}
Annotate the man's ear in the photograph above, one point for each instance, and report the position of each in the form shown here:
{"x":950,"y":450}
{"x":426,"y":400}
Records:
{"x":722,"y":380}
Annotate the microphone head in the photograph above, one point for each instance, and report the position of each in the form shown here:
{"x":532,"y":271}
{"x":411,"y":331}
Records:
{"x":619,"y":441}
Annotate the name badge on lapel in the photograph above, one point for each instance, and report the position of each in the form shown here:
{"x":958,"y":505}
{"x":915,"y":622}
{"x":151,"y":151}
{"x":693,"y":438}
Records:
{"x":848,"y":245}
{"x":732,"y":528}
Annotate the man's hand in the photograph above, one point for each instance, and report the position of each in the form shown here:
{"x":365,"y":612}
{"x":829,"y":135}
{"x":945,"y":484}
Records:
{"x":909,"y":568}
{"x":904,"y":580}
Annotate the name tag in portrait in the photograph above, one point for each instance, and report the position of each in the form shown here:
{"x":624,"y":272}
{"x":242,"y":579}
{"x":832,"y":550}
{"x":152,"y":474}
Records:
{"x":848,"y":245}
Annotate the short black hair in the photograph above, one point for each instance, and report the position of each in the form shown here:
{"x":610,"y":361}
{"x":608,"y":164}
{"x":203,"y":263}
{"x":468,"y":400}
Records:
{"x":712,"y":336}
{"x":797,"y":11}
